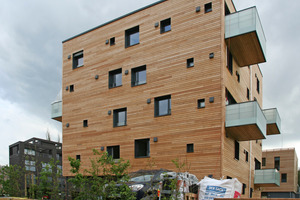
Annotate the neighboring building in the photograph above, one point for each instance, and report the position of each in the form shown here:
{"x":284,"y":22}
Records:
{"x":33,"y":155}
{"x":286,"y":162}
{"x":175,"y":79}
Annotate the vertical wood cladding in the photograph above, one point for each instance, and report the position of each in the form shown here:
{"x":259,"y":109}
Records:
{"x":193,"y":35}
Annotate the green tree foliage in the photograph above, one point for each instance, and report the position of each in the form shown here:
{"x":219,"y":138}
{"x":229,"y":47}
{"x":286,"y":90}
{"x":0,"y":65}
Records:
{"x":106,"y":178}
{"x":10,"y":180}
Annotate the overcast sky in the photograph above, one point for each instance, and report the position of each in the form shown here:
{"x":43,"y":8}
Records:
{"x":31,"y":33}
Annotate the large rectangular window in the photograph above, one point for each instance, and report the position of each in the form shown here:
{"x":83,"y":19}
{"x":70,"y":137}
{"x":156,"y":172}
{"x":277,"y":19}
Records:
{"x":142,"y":148}
{"x":236,"y":150}
{"x":120,"y":117}
{"x":165,"y":25}
{"x":162,"y":106}
{"x":277,"y":163}
{"x":114,"y":151}
{"x":78,"y":59}
{"x":138,"y":75}
{"x":115,"y":78}
{"x":132,"y":36}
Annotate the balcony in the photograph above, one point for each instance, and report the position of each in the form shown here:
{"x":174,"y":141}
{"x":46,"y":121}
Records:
{"x":245,"y":121}
{"x":245,"y":37}
{"x":56,"y":108}
{"x":273,"y":121}
{"x":267,"y":178}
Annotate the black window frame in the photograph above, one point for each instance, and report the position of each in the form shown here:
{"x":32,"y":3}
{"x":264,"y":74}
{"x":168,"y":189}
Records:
{"x":71,"y":88}
{"x":112,"y":78}
{"x":190,"y":62}
{"x":113,"y":151}
{"x":135,"y":75}
{"x":142,"y":143}
{"x":257,"y":164}
{"x":190,"y":148}
{"x":200,"y":103}
{"x":78,"y":157}
{"x":277,"y":163}
{"x":157,"y":100}
{"x":208,"y":7}
{"x":116,"y":113}
{"x":284,"y":179}
{"x":164,"y":24}
{"x":112,"y":41}
{"x":128,"y":33}
{"x":263,"y":162}
{"x":76,"y":58}
{"x":236,"y":150}
{"x":85,"y":123}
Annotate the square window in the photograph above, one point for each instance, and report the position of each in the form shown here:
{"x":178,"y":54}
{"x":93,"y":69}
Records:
{"x":77,"y":157}
{"x":236,"y":150}
{"x":190,"y":62}
{"x":208,"y":7}
{"x":78,"y":59}
{"x":112,"y":41}
{"x":142,"y":148}
{"x":132,"y":36}
{"x":201,"y":103}
{"x":138,"y":75}
{"x":190,"y":148}
{"x":85,"y":123}
{"x":162,"y":106}
{"x":71,"y":88}
{"x":114,"y":151}
{"x":283,"y":178}
{"x":115,"y":78}
{"x":120,"y":117}
{"x":165,"y":25}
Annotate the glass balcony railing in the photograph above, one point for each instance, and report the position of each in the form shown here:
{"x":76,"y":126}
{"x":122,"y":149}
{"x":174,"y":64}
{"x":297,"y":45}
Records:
{"x":273,"y":121}
{"x":56,"y":108}
{"x":245,"y":121}
{"x":245,"y":37}
{"x":267,"y":178}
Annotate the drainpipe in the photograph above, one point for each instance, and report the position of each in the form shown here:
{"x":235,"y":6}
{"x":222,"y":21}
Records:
{"x":250,"y":143}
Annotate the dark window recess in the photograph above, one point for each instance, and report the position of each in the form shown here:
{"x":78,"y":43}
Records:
{"x":227,"y":11}
{"x":251,"y":192}
{"x":115,"y":78}
{"x":257,"y":164}
{"x":114,"y":151}
{"x":229,"y":98}
{"x":85,"y":123}
{"x":228,"y":177}
{"x":162,"y":106}
{"x":263,"y":162}
{"x":112,"y":41}
{"x":78,"y":59}
{"x":77,"y":157}
{"x":132,"y":36}
{"x":248,"y":94}
{"x":142,"y":148}
{"x":257,"y":85}
{"x":236,"y":150}
{"x":190,"y":148}
{"x":120,"y":117}
{"x":229,"y":61}
{"x":165,"y":25}
{"x":138,"y":76}
{"x":244,"y":188}
{"x":190,"y":62}
{"x":283,"y":178}
{"x":247,"y":156}
{"x":277,"y":163}
{"x":208,"y":7}
{"x":238,"y":76}
{"x":71,"y":88}
{"x":201,"y":103}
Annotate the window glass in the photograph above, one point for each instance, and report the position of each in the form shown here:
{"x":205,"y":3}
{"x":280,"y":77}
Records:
{"x":162,"y":106}
{"x":132,"y":36}
{"x":142,"y":148}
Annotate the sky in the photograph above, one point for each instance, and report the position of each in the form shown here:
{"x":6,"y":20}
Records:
{"x":31,"y":35}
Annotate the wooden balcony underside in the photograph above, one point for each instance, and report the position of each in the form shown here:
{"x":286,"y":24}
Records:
{"x":245,"y":132}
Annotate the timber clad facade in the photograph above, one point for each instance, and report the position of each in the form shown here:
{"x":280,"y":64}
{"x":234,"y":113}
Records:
{"x":286,"y":162}
{"x":156,"y":85}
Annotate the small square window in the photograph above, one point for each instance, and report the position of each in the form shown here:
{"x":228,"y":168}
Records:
{"x":132,"y":36}
{"x":138,"y":75}
{"x":190,"y":62}
{"x":78,"y":59}
{"x":208,"y":7}
{"x":115,"y":78}
{"x":120,"y":117}
{"x":162,"y":106}
{"x":283,"y":178}
{"x":165,"y":25}
{"x":71,"y":88}
{"x":77,"y":157}
{"x":114,"y":151}
{"x":112,"y":41}
{"x":201,"y":103}
{"x":190,"y":148}
{"x":85,"y":123}
{"x":142,"y":148}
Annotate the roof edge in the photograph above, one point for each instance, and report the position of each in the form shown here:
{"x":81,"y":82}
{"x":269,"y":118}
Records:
{"x":123,"y":16}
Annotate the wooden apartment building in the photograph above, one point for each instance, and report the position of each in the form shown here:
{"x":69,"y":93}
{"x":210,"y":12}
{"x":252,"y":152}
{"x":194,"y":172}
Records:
{"x":177,"y":79}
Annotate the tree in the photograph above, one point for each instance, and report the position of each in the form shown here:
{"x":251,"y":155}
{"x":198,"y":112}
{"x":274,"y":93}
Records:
{"x":106,"y":178}
{"x":10,"y":179}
